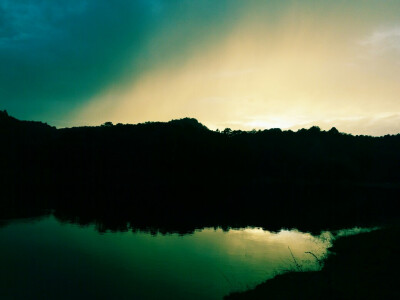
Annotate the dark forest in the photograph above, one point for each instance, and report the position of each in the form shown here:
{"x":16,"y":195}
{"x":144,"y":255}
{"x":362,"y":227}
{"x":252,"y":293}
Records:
{"x":179,"y":176}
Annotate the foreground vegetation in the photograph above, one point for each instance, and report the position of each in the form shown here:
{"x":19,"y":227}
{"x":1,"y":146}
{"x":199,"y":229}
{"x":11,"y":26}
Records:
{"x":363,"y":266}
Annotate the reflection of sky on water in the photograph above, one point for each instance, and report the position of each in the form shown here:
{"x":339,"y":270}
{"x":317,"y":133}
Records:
{"x":61,"y":261}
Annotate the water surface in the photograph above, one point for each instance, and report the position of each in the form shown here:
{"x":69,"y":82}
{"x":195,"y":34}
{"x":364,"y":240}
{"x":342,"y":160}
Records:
{"x":46,"y":259}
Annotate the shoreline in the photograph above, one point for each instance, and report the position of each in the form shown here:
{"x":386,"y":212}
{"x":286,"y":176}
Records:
{"x":362,"y":266}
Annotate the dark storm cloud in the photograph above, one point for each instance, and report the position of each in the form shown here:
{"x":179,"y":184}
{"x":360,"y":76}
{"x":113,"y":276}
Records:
{"x":65,"y":50}
{"x":54,"y":54}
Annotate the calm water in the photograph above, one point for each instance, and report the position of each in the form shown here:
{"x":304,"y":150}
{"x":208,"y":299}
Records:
{"x":46,"y":259}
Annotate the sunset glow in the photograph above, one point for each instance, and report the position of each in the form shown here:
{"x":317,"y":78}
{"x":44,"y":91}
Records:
{"x":238,"y":64}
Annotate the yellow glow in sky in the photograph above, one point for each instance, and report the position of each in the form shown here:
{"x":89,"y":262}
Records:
{"x":336,"y":68}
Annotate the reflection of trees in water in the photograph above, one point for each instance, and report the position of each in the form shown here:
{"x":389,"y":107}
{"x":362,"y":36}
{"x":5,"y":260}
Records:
{"x":178,"y":176}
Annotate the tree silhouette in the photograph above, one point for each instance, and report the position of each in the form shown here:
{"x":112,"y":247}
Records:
{"x":107,"y":124}
{"x":180,"y":175}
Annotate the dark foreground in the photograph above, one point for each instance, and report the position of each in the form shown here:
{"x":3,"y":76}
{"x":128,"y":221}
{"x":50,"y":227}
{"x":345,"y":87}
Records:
{"x":364,"y":266}
{"x":179,"y":176}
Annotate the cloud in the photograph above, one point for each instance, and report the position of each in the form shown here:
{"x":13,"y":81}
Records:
{"x":263,"y":75}
{"x":56,"y":55}
{"x":54,"y":52}
{"x":383,"y":46}
{"x":388,"y":38}
{"x":245,"y":63}
{"x":25,"y":20}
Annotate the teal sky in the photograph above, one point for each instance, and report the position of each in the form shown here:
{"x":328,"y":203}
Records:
{"x":239,"y":64}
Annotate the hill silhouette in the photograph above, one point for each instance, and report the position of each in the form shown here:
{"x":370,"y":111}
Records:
{"x":179,"y":175}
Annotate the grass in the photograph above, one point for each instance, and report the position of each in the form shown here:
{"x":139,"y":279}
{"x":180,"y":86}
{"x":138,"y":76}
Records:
{"x":363,"y":266}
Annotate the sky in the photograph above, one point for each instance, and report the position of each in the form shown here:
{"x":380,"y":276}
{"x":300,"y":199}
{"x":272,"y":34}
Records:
{"x":246,"y":65}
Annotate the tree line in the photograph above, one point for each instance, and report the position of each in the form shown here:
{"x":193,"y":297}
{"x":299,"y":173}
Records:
{"x":179,"y":175}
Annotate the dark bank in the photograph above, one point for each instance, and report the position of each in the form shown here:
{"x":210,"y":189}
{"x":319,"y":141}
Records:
{"x":178,"y":176}
{"x":364,"y":266}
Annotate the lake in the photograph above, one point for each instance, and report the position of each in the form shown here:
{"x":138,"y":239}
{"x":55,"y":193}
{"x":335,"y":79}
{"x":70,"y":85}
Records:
{"x":47,"y":259}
